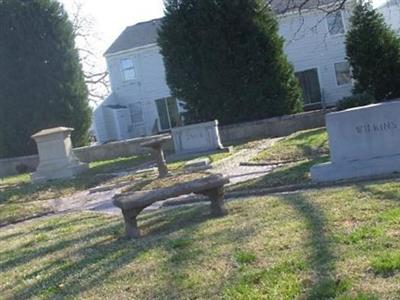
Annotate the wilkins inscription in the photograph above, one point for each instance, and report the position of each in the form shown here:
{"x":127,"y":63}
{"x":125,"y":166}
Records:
{"x":376,"y":127}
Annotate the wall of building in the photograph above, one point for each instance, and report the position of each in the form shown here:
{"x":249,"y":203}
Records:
{"x":150,"y":84}
{"x":391,"y":13}
{"x":308,"y":45}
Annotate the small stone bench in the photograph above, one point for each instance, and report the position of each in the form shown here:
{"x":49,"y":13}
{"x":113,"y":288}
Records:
{"x":133,"y":203}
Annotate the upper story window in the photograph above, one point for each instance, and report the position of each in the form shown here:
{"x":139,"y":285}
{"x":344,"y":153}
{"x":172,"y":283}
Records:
{"x":335,"y":23}
{"x":128,"y":70}
{"x":343,"y":73}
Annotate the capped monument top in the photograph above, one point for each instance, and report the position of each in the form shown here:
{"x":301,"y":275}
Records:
{"x":52,"y":131}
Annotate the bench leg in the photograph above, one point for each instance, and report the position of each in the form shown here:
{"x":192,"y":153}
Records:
{"x":158,"y":156}
{"x":217,"y":201}
{"x":132,"y":230}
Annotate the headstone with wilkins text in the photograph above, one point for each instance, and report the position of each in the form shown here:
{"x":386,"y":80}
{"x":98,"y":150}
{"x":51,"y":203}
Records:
{"x":363,"y":141}
{"x":57,"y":159}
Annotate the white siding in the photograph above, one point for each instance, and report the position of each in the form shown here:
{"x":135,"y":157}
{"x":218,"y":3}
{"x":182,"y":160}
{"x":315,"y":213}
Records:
{"x":102,"y":127}
{"x":150,"y":83}
{"x":392,"y":15}
{"x":308,"y":45}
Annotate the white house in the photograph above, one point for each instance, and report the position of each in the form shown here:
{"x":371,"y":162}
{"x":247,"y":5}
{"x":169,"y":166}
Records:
{"x":141,"y":103}
{"x":391,"y":12}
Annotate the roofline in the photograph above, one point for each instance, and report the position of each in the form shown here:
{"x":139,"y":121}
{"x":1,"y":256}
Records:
{"x":144,"y":47}
{"x":278,"y":16}
{"x":144,"y":22}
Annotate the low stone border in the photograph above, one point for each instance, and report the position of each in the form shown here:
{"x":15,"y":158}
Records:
{"x":271,"y":163}
{"x":281,"y":189}
{"x":176,"y":157}
{"x":196,"y":199}
{"x":309,"y":186}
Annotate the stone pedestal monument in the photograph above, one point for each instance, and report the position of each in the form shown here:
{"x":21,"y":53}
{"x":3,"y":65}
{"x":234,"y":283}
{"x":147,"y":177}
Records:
{"x":57,"y":159}
{"x":363,"y":141}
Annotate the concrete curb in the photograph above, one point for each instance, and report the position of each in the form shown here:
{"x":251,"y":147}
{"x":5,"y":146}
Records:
{"x":280,"y":190}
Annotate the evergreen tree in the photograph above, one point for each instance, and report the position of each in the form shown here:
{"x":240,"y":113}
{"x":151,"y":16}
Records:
{"x":373,"y":50}
{"x":41,"y":80}
{"x":225,"y":59}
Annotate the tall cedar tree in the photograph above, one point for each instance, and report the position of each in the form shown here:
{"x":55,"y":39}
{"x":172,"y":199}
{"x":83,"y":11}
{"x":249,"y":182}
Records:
{"x":225,"y":59}
{"x":41,"y":79}
{"x":373,"y":50}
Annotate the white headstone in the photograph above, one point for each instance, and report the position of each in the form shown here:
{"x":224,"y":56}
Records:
{"x":364,"y":141}
{"x":57,"y":159}
{"x":197,"y":138}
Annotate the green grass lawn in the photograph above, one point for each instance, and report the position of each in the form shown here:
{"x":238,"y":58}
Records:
{"x":298,"y":153}
{"x":19,"y":199}
{"x":340,"y":243}
{"x":302,"y":145}
{"x":178,"y":164}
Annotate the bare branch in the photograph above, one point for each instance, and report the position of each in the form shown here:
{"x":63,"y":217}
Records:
{"x":298,"y":6}
{"x":96,"y":78}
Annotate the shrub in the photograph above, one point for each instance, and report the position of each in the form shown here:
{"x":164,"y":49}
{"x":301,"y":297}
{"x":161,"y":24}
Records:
{"x":41,"y":79}
{"x":225,"y":59}
{"x":373,"y":51}
{"x":355,"y":101}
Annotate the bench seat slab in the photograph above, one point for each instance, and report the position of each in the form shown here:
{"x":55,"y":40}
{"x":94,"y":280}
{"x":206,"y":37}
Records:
{"x":133,"y":203}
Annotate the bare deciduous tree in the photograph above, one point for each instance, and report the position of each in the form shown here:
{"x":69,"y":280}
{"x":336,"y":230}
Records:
{"x":327,"y":6}
{"x":96,"y":77}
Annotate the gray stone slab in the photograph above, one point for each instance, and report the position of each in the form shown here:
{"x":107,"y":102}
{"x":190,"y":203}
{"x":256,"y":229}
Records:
{"x":197,"y":138}
{"x":57,"y":159}
{"x":363,"y":141}
{"x":196,"y":164}
{"x":356,"y":169}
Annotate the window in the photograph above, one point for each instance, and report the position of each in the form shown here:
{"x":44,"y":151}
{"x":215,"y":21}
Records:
{"x":128,"y":70}
{"x":343,"y":74}
{"x":168,"y":113}
{"x":136,"y":112}
{"x":335,"y":23}
{"x":309,"y":83}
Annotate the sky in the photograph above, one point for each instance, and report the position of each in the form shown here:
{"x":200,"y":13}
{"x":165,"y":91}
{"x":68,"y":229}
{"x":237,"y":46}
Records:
{"x":111,"y":17}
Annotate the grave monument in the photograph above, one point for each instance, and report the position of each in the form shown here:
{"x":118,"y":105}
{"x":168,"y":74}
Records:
{"x":56,"y":157}
{"x":363,"y":141}
{"x":197,"y":138}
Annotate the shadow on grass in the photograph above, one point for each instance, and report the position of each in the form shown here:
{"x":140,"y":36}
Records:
{"x":304,"y":145}
{"x":390,"y":193}
{"x":83,"y":261}
{"x":32,"y":199}
{"x":118,"y":164}
{"x":322,"y":256}
{"x":296,"y":173}
{"x":311,"y":143}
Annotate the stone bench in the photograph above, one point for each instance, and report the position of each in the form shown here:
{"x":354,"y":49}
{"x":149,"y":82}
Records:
{"x":133,"y":203}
